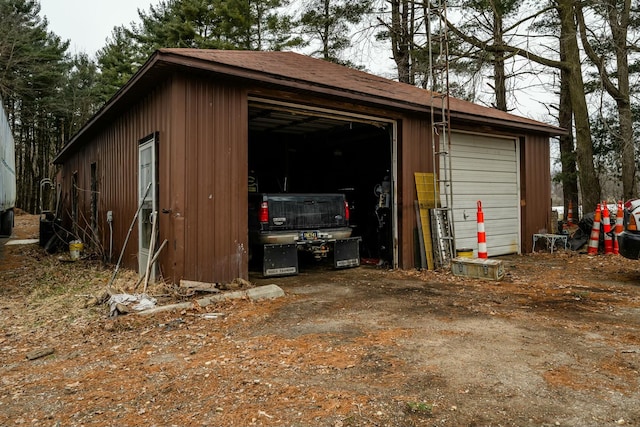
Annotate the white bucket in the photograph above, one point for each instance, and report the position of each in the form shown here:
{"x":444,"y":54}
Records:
{"x":75,"y":248}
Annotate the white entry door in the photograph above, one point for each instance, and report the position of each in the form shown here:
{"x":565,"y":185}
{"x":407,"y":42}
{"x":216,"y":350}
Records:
{"x":146,"y":199}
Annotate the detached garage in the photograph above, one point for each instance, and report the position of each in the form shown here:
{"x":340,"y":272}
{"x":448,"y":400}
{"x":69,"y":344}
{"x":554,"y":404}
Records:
{"x":184,"y":135}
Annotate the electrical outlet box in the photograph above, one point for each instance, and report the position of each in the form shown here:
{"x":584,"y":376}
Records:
{"x":109,"y":216}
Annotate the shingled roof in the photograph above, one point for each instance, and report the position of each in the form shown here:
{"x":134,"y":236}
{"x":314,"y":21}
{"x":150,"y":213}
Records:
{"x":325,"y":75}
{"x":290,"y":70}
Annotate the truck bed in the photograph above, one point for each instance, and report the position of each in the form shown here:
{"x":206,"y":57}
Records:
{"x":281,"y":224}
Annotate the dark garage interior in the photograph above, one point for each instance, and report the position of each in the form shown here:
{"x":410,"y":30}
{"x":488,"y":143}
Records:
{"x":303,"y":151}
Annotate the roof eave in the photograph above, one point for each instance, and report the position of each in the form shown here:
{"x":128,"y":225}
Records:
{"x":115,"y":99}
{"x":501,"y":122}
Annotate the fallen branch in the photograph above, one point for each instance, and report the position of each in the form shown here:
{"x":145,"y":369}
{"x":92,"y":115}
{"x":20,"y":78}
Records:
{"x":254,"y":294}
{"x":199,"y":286}
{"x":37,"y":354}
{"x":153,"y":260}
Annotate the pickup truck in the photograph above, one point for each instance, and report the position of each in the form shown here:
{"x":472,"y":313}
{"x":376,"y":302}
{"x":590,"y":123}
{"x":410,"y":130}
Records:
{"x":283,"y":224}
{"x":629,"y":239}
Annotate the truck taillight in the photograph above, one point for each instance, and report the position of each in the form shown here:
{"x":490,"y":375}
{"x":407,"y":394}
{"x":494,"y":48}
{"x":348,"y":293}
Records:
{"x":346,"y":211}
{"x":263,"y":214}
{"x":632,"y":225}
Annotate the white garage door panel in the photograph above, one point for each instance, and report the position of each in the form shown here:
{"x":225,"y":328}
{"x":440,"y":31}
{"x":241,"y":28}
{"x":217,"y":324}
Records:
{"x":492,"y":149}
{"x":492,"y":155}
{"x":492,"y":228}
{"x":496,"y":214}
{"x":485,"y":168}
{"x":469,"y":202}
{"x":480,"y":179}
{"x":501,"y":242}
{"x":483,"y":172}
{"x":496,"y":188}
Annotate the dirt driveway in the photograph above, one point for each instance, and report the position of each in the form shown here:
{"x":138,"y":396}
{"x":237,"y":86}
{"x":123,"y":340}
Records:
{"x":556,"y":342}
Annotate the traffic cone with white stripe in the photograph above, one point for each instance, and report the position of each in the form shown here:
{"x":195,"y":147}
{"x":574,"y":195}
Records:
{"x":569,"y":218}
{"x":594,"y":239}
{"x":618,"y":229}
{"x":482,"y":237}
{"x":606,"y":223}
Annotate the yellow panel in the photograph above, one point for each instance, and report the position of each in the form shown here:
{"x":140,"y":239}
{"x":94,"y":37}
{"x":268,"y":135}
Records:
{"x":426,"y":200}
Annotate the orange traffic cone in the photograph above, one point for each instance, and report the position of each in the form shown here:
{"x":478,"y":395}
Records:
{"x":482,"y":237}
{"x":606,"y":223}
{"x":594,"y":239}
{"x":618,"y":229}
{"x":570,"y":214}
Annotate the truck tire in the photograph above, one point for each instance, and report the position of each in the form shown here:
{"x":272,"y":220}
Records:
{"x":6,"y":223}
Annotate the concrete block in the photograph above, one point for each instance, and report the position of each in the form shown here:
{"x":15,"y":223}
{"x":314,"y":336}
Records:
{"x":265,"y":292}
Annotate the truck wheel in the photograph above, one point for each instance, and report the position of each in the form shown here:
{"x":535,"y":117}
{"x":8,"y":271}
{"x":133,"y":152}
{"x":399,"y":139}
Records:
{"x":6,"y":223}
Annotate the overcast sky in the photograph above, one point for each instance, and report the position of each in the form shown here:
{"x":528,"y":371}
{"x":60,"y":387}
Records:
{"x":87,"y":23}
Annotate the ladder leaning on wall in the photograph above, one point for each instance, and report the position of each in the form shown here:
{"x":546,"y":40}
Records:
{"x":442,"y":215}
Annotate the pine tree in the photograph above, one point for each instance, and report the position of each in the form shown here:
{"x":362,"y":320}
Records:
{"x":33,"y":63}
{"x":201,"y":24}
{"x":327,"y":23}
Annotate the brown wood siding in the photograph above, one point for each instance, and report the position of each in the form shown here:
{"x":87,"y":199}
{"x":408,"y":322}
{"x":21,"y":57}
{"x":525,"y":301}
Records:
{"x":414,"y":155}
{"x":216,"y":156}
{"x":535,"y":178}
{"x":115,"y":152}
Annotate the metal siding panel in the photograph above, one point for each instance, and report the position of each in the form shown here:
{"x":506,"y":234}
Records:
{"x":191,"y":185}
{"x":177,"y":177}
{"x":414,"y":155}
{"x":223,"y":221}
{"x":115,"y":152}
{"x":216,"y":138}
{"x":202,"y":212}
{"x":536,"y":175}
{"x":238,"y":185}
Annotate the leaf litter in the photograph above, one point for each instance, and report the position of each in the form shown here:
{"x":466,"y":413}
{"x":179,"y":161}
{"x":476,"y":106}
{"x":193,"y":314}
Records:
{"x":556,"y":342}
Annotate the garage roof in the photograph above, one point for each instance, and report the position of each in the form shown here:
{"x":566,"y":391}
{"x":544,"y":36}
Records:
{"x":293,"y":71}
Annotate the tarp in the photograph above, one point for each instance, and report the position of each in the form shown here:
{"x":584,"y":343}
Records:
{"x":140,"y":302}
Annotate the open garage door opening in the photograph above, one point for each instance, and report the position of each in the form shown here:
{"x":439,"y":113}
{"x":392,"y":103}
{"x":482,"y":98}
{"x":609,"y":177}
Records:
{"x":300,"y":150}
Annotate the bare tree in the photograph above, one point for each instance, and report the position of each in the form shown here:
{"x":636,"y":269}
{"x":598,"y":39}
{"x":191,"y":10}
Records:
{"x":571,"y":67}
{"x":616,"y":14}
{"x":400,"y":30}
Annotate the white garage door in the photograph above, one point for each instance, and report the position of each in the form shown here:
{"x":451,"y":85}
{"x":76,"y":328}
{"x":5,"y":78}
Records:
{"x":485,"y":168}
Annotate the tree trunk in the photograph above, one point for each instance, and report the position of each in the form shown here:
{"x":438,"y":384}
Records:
{"x":623,"y":101}
{"x":499,"y":76}
{"x":399,"y":39}
{"x":326,"y":30}
{"x":589,"y":183}
{"x":629,"y":189}
{"x":569,"y":176}
{"x":618,"y":21}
